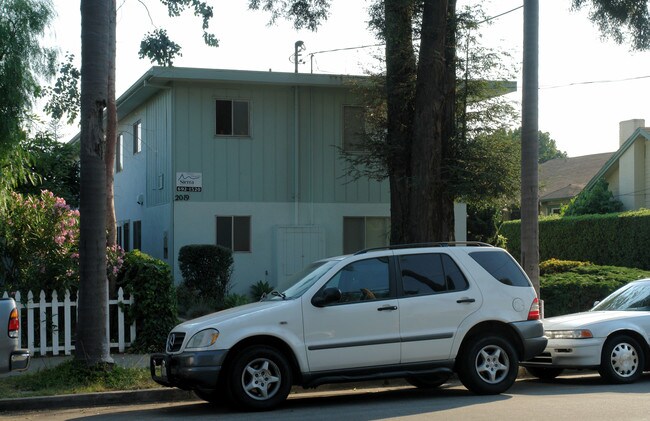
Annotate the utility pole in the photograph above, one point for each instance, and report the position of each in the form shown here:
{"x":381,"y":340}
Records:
{"x":530,"y":145}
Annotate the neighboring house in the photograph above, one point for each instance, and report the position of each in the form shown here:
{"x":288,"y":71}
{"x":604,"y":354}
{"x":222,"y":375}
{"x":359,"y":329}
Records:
{"x":628,"y":170}
{"x":562,"y":179}
{"x":250,"y":161}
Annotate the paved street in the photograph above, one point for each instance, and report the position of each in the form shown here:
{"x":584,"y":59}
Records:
{"x":582,"y":397}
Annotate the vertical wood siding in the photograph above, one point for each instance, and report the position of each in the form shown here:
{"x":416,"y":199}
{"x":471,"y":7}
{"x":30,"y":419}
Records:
{"x":260,"y":168}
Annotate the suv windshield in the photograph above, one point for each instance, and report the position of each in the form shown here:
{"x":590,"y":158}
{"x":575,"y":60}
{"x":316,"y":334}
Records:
{"x":632,"y":297}
{"x":298,"y":283}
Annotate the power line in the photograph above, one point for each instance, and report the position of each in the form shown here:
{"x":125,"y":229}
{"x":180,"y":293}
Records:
{"x":593,"y":82}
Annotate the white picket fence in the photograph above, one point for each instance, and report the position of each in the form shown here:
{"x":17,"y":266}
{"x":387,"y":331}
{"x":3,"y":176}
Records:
{"x":38,"y":314}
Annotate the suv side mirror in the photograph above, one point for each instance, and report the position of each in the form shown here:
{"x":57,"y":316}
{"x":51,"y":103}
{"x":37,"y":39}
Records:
{"x":326,"y":296}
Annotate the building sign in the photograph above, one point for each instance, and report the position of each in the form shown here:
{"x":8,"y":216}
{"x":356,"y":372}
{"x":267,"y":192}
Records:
{"x":189,"y":181}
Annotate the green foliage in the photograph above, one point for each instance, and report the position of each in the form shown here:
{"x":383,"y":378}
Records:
{"x":149,"y":282}
{"x":618,"y":239}
{"x":259,"y":289}
{"x":577,"y":287}
{"x":551,"y":266}
{"x":482,"y":223}
{"x":206,"y":268}
{"x":71,"y":377}
{"x":305,"y":14}
{"x":56,"y":166}
{"x":235,"y":300}
{"x":598,"y":199}
{"x":159,"y":49}
{"x":38,"y":244}
{"x":623,"y":21}
{"x":64,"y":97}
{"x":547,"y":147}
{"x":22,"y":62}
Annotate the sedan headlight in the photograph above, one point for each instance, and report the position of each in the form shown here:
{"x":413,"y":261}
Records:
{"x":203,"y":339}
{"x":568,"y":334}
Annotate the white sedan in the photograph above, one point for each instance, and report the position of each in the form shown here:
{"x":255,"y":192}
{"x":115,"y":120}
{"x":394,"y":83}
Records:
{"x":613,"y":338}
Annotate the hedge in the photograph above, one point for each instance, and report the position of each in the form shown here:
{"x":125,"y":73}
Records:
{"x":618,"y":239}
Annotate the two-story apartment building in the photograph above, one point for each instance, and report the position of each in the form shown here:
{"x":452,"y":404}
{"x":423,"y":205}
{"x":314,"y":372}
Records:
{"x":248,"y":160}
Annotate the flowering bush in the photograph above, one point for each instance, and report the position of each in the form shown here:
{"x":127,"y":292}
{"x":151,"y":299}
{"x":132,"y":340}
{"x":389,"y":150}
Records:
{"x":39,"y":245}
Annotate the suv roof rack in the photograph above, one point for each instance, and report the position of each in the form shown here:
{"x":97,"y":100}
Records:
{"x":422,"y":245}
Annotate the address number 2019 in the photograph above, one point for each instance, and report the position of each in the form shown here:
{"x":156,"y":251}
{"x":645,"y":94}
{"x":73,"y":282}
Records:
{"x":182,"y":197}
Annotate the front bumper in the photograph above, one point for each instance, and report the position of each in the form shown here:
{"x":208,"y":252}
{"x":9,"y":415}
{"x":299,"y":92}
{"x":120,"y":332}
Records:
{"x":188,"y":370}
{"x":532,"y":337}
{"x":569,"y":353}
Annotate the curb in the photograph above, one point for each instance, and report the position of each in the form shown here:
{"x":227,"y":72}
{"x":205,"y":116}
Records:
{"x":96,"y":399}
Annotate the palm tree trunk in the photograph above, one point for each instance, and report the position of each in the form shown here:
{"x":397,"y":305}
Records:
{"x":91,"y":345}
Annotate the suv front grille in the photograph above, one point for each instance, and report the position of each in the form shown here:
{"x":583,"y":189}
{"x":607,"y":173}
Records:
{"x":175,"y":341}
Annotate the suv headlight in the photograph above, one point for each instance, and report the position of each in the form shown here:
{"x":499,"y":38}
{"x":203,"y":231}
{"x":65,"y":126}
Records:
{"x":203,"y":339}
{"x":568,"y":334}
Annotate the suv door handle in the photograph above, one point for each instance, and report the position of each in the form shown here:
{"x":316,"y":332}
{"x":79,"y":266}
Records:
{"x":387,"y":308}
{"x":465,"y":300}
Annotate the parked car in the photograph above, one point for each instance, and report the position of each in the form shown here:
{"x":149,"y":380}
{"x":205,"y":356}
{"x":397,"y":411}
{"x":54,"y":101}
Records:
{"x":612,"y":338}
{"x":11,"y":357}
{"x":416,"y":312}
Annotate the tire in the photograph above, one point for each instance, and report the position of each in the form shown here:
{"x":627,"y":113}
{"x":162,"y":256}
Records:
{"x":430,"y":381}
{"x":260,"y":378}
{"x":488,"y":365}
{"x":544,"y":373}
{"x":622,"y":360}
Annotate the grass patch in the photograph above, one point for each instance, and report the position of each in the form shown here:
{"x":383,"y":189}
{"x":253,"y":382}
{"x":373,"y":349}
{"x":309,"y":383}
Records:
{"x":72,"y":377}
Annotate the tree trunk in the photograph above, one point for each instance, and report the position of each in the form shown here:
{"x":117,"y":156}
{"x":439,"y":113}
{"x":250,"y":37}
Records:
{"x":400,"y":89}
{"x":431,"y":211}
{"x":91,"y":342}
{"x":111,"y":136}
{"x":529,"y":145}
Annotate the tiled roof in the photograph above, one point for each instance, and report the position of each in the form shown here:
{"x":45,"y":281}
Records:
{"x":564,"y":178}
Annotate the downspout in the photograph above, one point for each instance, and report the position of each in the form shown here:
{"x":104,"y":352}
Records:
{"x":296,"y":154}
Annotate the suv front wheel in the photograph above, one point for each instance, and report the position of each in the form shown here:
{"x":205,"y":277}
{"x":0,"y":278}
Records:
{"x":260,"y":378}
{"x":488,"y":365}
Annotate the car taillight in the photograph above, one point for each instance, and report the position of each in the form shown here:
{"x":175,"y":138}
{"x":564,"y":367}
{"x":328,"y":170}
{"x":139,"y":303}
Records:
{"x":533,"y":313}
{"x":14,"y":324}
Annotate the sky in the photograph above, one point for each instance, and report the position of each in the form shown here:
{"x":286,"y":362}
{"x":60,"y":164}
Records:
{"x":587,"y":85}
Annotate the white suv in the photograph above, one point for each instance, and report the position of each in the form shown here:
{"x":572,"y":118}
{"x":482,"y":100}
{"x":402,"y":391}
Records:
{"x":421,"y":312}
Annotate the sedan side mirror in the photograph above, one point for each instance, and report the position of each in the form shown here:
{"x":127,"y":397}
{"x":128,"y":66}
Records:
{"x":326,"y":296}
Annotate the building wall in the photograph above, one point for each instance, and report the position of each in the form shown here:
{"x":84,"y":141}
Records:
{"x":632,"y":176}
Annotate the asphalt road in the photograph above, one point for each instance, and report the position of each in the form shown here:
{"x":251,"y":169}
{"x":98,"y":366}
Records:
{"x":578,"y":397}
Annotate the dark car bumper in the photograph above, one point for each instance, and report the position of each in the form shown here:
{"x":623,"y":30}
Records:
{"x":19,"y":360}
{"x":532,"y":337}
{"x":188,"y":370}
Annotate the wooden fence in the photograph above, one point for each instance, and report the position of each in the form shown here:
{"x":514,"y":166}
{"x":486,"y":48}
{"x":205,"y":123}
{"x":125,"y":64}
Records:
{"x":50,"y":325}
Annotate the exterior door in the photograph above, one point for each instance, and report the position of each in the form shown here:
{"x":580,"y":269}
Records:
{"x":359,"y":330}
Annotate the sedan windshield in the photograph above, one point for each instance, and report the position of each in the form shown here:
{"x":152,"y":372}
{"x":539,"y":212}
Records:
{"x":298,"y":283}
{"x":632,"y":297}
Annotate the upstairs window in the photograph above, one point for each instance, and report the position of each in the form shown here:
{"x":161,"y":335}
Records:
{"x":232,"y":118}
{"x":137,"y":137}
{"x":354,"y":128}
{"x":365,"y":232}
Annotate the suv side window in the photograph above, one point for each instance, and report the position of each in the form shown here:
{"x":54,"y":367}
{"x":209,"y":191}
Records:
{"x":502,"y":266}
{"x":362,"y":280}
{"x":424,"y":274}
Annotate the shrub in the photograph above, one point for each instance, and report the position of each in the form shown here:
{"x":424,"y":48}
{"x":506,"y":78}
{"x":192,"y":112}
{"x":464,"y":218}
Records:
{"x":39,"y":244}
{"x":259,"y":289}
{"x":598,"y":199}
{"x":556,"y":266}
{"x":235,"y":300}
{"x":578,"y":287}
{"x":150,"y":284}
{"x":206,"y":269}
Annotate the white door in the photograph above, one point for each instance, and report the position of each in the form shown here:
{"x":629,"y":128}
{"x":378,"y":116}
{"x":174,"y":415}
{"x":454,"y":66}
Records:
{"x":295,"y":247}
{"x":359,"y":330}
{"x":435,"y":298}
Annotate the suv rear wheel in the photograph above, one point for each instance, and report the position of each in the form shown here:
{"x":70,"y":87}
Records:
{"x":488,"y":365}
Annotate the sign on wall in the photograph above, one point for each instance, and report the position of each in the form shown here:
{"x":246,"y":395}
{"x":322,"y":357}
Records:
{"x":189,"y":181}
